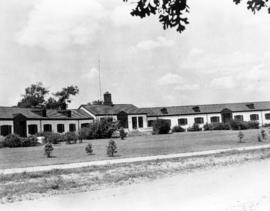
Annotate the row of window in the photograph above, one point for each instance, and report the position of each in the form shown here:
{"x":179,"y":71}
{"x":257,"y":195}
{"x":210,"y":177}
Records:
{"x":136,"y":124}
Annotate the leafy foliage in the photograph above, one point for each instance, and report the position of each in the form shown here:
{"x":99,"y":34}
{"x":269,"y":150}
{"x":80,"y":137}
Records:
{"x":171,"y":12}
{"x":255,"y":5}
{"x":64,"y":96}
{"x":177,"y":129}
{"x":216,"y":126}
{"x":34,"y":96}
{"x":99,"y":129}
{"x":89,"y":149}
{"x":240,"y":136}
{"x":51,"y":137}
{"x":111,"y":148}
{"x":48,"y":148}
{"x":122,"y":132}
{"x":70,"y":137}
{"x":12,"y":141}
{"x":195,"y":127}
{"x":161,"y":126}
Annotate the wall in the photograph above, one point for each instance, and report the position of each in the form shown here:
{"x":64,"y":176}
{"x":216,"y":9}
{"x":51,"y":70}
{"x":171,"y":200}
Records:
{"x":246,"y":116}
{"x":7,"y":122}
{"x":130,"y":126}
{"x":54,"y":123}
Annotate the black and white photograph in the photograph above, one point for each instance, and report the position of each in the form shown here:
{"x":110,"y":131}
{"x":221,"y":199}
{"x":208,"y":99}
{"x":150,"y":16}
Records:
{"x":134,"y":105}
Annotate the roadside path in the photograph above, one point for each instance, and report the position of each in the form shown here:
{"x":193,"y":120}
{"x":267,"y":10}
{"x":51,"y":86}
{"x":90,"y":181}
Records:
{"x":127,"y":160}
{"x":239,"y":187}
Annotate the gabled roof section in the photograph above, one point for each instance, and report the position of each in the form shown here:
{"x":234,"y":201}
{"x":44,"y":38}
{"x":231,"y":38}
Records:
{"x":10,"y":112}
{"x":99,"y":110}
{"x":210,"y":108}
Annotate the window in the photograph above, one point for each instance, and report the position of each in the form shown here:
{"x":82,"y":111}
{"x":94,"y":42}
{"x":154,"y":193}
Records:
{"x":150,"y":123}
{"x":5,"y":130}
{"x":198,"y":120}
{"x":47,"y":128}
{"x":134,"y":122}
{"x":239,"y":118}
{"x":182,"y":121}
{"x":140,"y":119}
{"x":254,"y":117}
{"x":60,"y":128}
{"x":214,"y":119}
{"x":267,"y":116}
{"x":32,"y":129}
{"x":85,"y":125}
{"x":72,"y":127}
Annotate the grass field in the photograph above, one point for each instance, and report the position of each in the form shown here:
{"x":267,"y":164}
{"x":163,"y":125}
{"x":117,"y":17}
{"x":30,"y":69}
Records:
{"x":130,"y":147}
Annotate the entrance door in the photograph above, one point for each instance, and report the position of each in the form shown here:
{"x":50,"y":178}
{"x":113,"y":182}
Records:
{"x":226,"y":115}
{"x":20,"y":125}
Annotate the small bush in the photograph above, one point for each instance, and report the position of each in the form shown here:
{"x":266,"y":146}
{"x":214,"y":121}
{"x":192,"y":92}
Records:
{"x":12,"y":141}
{"x":2,"y":144}
{"x":111,"y":148}
{"x":89,"y":149}
{"x":123,"y":134}
{"x":240,"y":136}
{"x":263,"y":133}
{"x":195,"y":127}
{"x":48,"y":148}
{"x":178,"y":129}
{"x":161,"y":126}
{"x":70,"y":137}
{"x":30,"y":141}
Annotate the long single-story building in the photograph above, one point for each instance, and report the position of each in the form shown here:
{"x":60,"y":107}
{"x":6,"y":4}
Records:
{"x":186,"y":116}
{"x":28,"y":121}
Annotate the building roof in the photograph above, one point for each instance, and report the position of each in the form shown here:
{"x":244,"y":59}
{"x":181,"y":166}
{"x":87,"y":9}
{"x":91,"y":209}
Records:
{"x":10,"y":112}
{"x":99,"y":110}
{"x":204,"y":109}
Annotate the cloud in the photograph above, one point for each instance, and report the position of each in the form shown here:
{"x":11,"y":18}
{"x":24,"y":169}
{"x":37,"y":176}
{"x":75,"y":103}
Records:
{"x":93,"y":73}
{"x":187,"y":87}
{"x":158,"y":43}
{"x":170,"y":79}
{"x":56,"y":24}
{"x":226,"y":82}
{"x":120,"y":16}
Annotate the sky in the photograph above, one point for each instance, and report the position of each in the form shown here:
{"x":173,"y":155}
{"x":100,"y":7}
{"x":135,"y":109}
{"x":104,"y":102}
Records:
{"x":222,"y":56}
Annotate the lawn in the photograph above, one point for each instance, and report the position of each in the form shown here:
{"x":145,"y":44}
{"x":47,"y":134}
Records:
{"x":130,"y":147}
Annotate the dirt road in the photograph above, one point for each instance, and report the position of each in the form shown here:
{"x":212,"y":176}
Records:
{"x":242,"y":187}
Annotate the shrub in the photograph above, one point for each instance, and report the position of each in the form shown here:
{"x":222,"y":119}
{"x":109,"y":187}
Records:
{"x":12,"y":140}
{"x":99,"y":129}
{"x":195,"y":127}
{"x":216,"y":126}
{"x":51,"y":137}
{"x":240,"y":136}
{"x":70,"y":137}
{"x":122,"y":133}
{"x":29,"y":141}
{"x":263,"y":133}
{"x":89,"y":149}
{"x":48,"y":148}
{"x":111,"y":148}
{"x":161,"y":126}
{"x":243,"y":125}
{"x":178,"y":129}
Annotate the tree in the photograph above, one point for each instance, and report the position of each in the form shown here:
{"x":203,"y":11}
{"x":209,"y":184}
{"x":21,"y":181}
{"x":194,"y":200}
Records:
{"x":172,"y":12}
{"x":34,"y":96}
{"x":64,"y":96}
{"x":97,"y":102}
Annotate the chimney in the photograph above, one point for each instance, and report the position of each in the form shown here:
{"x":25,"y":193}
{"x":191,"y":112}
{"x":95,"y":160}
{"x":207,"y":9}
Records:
{"x":108,"y":99}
